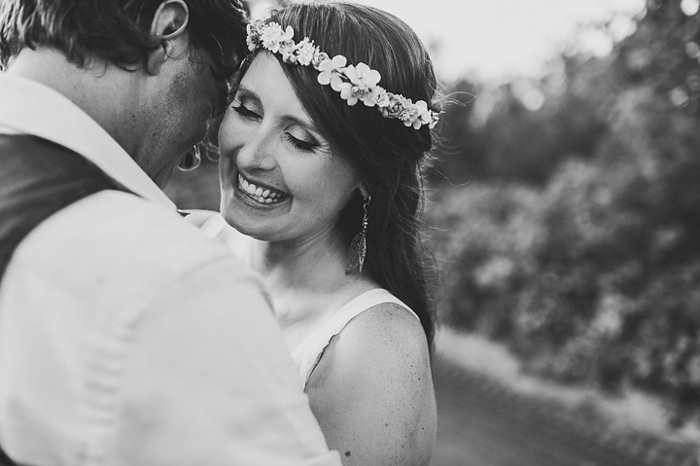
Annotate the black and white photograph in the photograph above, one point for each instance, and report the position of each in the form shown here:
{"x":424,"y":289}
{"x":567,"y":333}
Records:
{"x":349,"y":233}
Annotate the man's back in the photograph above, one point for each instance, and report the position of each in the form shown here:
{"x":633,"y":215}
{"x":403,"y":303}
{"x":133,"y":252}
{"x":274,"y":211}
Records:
{"x":126,"y":337}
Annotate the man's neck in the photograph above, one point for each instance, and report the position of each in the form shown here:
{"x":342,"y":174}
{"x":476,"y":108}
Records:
{"x":101,"y":90}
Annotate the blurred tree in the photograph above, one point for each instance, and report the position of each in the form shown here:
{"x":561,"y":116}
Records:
{"x":520,"y":144}
{"x":592,"y":274}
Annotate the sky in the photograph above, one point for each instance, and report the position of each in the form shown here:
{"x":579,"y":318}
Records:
{"x":495,"y":40}
{"x":498,"y":39}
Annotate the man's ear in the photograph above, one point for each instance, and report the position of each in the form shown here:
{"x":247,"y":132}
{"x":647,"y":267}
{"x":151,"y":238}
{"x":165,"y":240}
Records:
{"x":169,"y":23}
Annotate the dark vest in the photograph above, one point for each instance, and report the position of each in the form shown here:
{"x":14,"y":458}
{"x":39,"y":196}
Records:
{"x":37,"y":179}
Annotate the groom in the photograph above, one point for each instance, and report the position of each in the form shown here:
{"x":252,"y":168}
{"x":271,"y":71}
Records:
{"x":126,"y":336}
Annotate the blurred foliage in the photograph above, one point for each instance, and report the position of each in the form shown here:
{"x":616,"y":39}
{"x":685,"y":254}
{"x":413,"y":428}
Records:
{"x":571,"y":231}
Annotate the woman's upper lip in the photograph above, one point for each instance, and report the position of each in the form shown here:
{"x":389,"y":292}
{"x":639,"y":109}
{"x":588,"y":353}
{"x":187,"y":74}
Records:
{"x":259,"y":184}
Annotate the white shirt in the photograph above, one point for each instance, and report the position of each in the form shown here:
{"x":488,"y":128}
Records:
{"x":129,"y":338}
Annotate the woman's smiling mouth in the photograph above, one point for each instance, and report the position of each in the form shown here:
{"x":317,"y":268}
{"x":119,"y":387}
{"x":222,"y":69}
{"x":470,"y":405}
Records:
{"x":263,"y":195}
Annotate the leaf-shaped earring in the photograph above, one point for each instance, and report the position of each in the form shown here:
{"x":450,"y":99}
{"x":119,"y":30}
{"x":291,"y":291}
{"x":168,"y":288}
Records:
{"x":358,"y":246}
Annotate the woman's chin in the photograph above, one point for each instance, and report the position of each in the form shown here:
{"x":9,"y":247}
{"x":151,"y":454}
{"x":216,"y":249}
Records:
{"x":252,"y":217}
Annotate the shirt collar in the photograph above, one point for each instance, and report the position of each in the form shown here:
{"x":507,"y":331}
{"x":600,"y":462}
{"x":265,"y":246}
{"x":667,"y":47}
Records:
{"x":28,"y":107}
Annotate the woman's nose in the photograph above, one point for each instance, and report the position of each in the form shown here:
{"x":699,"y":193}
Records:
{"x":250,"y":145}
{"x":257,"y":152}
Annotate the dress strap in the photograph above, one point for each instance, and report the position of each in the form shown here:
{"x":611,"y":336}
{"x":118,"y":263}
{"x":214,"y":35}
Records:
{"x":308,"y":353}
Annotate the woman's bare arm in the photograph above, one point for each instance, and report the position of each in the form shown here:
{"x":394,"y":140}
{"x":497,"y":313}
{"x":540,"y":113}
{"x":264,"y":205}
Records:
{"x":373,"y":393}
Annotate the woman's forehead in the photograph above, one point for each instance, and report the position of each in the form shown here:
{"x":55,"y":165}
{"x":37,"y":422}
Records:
{"x":266,"y":82}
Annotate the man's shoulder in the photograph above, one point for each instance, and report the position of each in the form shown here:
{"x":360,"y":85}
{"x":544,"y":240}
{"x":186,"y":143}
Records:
{"x":121,"y":249}
{"x":125,"y":233}
{"x":122,"y":214}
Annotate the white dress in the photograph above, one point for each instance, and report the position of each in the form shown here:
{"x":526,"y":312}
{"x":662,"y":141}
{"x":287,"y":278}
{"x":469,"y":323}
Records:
{"x":307,"y":354}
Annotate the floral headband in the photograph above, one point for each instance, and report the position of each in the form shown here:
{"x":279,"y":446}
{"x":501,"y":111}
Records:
{"x":354,"y":82}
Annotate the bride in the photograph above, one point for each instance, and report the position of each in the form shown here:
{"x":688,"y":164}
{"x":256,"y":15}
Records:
{"x":320,"y":158}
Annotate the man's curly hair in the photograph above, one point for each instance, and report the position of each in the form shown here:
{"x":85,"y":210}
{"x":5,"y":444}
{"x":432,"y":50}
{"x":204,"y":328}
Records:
{"x":117,"y":31}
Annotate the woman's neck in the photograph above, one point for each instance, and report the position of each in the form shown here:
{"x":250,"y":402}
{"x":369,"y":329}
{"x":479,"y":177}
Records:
{"x":307,"y":279}
{"x":316,"y":263}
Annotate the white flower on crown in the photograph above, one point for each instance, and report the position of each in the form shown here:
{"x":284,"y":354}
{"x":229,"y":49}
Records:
{"x":354,"y":82}
{"x":272,"y":36}
{"x":382,"y":98}
{"x":330,"y":70}
{"x":362,"y":85}
{"x":253,"y":37}
{"x":394,"y":105}
{"x":305,"y":52}
{"x":423,"y":114}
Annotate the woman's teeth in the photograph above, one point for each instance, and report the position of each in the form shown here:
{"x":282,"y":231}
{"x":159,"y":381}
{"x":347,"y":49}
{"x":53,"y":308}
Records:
{"x":262,"y":195}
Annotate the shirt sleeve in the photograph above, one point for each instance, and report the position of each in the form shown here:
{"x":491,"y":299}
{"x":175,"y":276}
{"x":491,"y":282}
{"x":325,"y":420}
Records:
{"x":207,"y":380}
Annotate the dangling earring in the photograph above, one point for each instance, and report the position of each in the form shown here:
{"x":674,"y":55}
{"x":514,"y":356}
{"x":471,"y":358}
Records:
{"x":190,"y":160}
{"x":358,"y":246}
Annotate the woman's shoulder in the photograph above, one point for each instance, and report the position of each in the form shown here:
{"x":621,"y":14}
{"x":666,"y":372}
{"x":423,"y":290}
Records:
{"x":378,"y":369}
{"x":390,"y":330}
{"x":386,"y":339}
{"x":375,"y":322}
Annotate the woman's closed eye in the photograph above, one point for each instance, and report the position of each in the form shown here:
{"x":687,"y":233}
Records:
{"x":244,"y":111}
{"x":302,"y":144}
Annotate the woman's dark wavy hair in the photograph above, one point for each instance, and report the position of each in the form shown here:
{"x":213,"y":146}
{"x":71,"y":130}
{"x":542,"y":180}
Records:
{"x":388,"y":155}
{"x":117,"y":31}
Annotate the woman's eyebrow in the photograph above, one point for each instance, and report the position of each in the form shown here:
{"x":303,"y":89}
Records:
{"x":243,"y":91}
{"x":306,"y":121}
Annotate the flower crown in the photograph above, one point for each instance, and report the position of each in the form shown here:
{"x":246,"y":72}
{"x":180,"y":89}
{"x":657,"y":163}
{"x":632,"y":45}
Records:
{"x":354,"y":82}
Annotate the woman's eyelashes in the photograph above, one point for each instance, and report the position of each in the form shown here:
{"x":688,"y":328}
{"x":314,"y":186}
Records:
{"x":304,"y":145}
{"x":248,"y":111}
{"x":245,"y":112}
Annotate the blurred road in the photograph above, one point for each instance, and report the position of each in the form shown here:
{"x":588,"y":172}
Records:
{"x":481,"y":425}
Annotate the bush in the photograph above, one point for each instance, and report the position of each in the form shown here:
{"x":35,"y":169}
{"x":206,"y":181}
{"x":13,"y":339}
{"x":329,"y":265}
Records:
{"x":594,"y":278}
